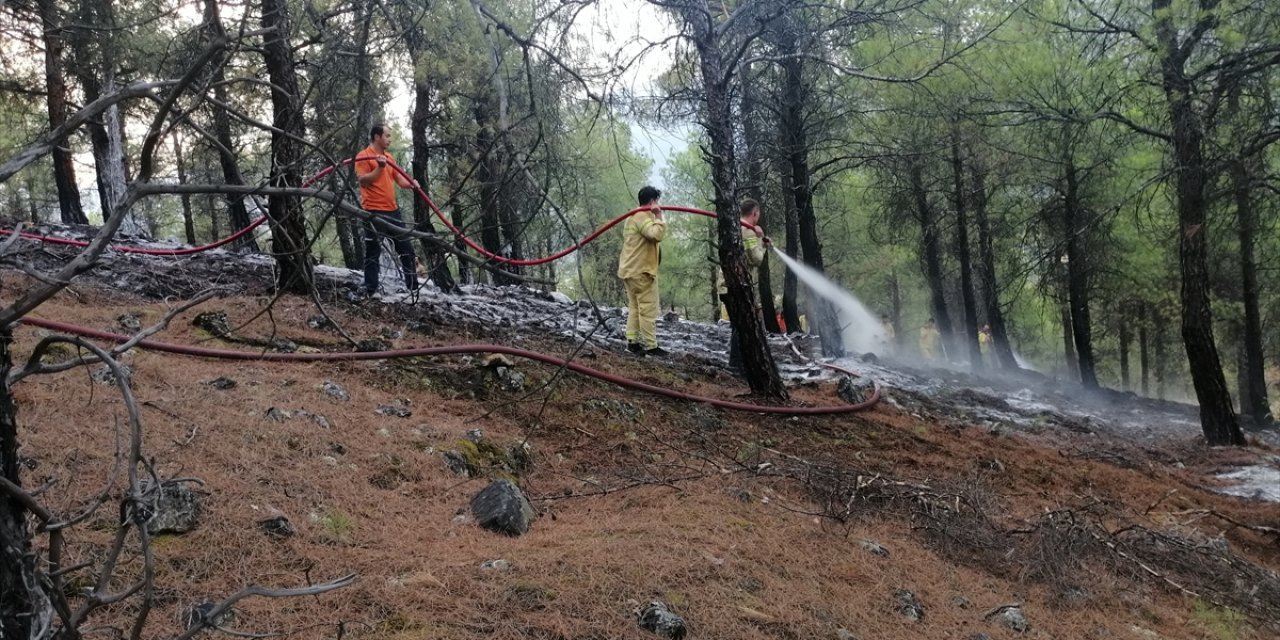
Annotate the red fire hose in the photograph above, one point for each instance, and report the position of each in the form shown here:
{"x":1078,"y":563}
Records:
{"x":421,"y":194}
{"x":347,"y":356}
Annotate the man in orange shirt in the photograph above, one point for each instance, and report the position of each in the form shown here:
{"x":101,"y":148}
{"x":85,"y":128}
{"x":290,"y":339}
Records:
{"x":378,"y":197}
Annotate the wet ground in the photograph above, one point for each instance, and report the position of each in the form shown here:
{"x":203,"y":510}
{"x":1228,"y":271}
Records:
{"x":1023,"y":402}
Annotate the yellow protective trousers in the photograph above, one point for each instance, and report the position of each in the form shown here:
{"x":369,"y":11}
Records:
{"x":642,"y":309}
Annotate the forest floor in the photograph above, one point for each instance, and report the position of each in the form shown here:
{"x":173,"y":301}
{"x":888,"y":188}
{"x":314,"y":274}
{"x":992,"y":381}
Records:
{"x":960,"y":506}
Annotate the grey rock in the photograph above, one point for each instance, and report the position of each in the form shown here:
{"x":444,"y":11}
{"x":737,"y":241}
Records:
{"x":456,"y":463}
{"x":561,"y":298}
{"x":475,"y":435}
{"x":173,"y":507}
{"x":278,"y":415}
{"x":979,"y":636}
{"x":845,"y":634}
{"x":502,"y":508}
{"x":277,"y":527}
{"x":222,"y":383}
{"x":201,"y":615}
{"x":334,"y":390}
{"x":394,"y":411}
{"x":500,"y":566}
{"x":284,"y":345}
{"x":854,"y":390}
{"x":373,"y":344}
{"x":511,"y":379}
{"x":215,"y":322}
{"x":129,"y":321}
{"x":908,"y":605}
{"x":103,"y":374}
{"x":319,"y":321}
{"x":657,"y":618}
{"x":875,"y":548}
{"x":1010,"y":615}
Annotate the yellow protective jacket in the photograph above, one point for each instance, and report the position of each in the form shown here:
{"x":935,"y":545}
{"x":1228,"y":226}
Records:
{"x":640,"y":253}
{"x":755,"y":257}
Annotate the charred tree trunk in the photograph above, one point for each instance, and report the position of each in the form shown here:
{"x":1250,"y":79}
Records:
{"x":1126,"y":341}
{"x":1158,"y":328}
{"x":963,"y":251}
{"x":827,"y":320}
{"x":1144,"y":346}
{"x":64,"y":173}
{"x":24,"y":608}
{"x":1069,"y":342}
{"x":1191,"y":175}
{"x":1253,"y":392}
{"x":188,"y":221}
{"x":437,"y":267}
{"x":790,"y":288}
{"x":931,"y":251}
{"x":757,"y":362}
{"x":288,"y":224}
{"x":236,"y":210}
{"x":95,"y":69}
{"x":987,"y":261}
{"x":489,"y":176}
{"x":1075,"y":227}
{"x":755,"y":172}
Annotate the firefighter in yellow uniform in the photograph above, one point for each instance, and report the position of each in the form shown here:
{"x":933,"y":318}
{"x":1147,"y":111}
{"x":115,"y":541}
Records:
{"x":754,"y":246}
{"x":638,"y":269}
{"x":929,"y":339}
{"x":984,"y":340}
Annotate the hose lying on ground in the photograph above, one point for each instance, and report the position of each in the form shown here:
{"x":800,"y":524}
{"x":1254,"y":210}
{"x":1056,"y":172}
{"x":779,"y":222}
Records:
{"x":349,"y":356}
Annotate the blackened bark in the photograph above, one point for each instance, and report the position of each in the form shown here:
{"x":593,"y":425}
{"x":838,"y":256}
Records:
{"x":1191,"y":175}
{"x":437,"y":267}
{"x":755,"y":172}
{"x":987,"y":263}
{"x":64,"y":174}
{"x":23,"y":606}
{"x":188,"y":221}
{"x":489,"y":176}
{"x":757,"y":361}
{"x":963,"y":254}
{"x":931,"y":250}
{"x":1126,"y":341}
{"x":795,"y":145}
{"x":238,"y":213}
{"x":1253,"y":393}
{"x":790,"y":287}
{"x":95,"y":69}
{"x":1069,"y":342}
{"x":1144,"y":347}
{"x":1075,"y":227}
{"x":288,"y":225}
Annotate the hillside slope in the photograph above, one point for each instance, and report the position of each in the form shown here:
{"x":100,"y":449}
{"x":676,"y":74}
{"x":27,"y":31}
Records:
{"x":747,"y":525}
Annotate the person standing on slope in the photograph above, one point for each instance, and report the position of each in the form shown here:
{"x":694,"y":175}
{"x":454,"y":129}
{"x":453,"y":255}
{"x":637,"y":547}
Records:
{"x":638,"y":268}
{"x":378,"y":197}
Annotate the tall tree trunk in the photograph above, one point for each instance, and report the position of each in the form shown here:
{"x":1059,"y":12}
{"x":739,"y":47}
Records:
{"x":1253,"y":394}
{"x":987,"y":263}
{"x":238,"y":213}
{"x":288,"y":225}
{"x":1217,"y":415}
{"x":931,"y":251}
{"x":963,"y":251}
{"x":1069,"y":342}
{"x":437,"y":266}
{"x":94,"y":66}
{"x":827,"y":320}
{"x":24,"y":608}
{"x":188,"y":221}
{"x":757,"y":361}
{"x":1075,"y":227}
{"x":1158,"y":328}
{"x":1144,"y":346}
{"x":754,"y":157}
{"x":489,"y":176}
{"x":465,"y":274}
{"x":1126,"y":340}
{"x":790,"y":288}
{"x":64,"y":173}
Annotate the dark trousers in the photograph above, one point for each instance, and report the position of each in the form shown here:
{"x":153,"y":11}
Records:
{"x":373,"y":251}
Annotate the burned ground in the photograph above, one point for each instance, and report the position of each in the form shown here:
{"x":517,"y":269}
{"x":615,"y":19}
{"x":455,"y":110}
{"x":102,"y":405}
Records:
{"x":749,"y":526}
